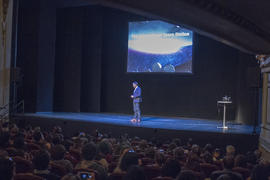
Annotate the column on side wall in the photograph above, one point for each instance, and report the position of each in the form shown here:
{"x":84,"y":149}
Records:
{"x":267,"y":113}
{"x":265,"y":99}
{"x":6,"y":11}
{"x":265,"y":130}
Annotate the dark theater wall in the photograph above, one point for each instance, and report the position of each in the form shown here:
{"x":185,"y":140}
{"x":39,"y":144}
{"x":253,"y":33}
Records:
{"x":89,"y":68}
{"x":46,"y":56}
{"x":92,"y":60}
{"x":69,"y":30}
{"x":27,"y":52}
{"x":78,"y":59}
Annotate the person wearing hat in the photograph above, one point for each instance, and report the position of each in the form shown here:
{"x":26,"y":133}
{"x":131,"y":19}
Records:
{"x":137,"y":99}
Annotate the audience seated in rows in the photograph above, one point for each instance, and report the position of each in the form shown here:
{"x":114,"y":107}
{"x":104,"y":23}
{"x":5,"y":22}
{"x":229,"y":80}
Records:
{"x":32,"y":153}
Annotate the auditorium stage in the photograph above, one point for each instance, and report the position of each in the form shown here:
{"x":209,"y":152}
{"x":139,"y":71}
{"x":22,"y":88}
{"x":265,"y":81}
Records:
{"x":169,"y":123}
{"x":201,"y":130}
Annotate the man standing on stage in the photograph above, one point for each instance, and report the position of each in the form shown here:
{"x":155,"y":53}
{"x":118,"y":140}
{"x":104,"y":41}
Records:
{"x":137,"y":99}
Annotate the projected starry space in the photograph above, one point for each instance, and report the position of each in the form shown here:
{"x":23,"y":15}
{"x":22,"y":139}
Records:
{"x":157,"y":46}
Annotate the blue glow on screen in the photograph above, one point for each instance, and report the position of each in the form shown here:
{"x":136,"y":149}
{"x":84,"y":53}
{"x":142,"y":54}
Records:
{"x":157,"y":46}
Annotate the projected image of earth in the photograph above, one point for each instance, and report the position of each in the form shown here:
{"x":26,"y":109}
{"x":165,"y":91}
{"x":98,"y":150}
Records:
{"x":157,"y":46}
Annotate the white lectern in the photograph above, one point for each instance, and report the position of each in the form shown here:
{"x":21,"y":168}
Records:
{"x":224,"y":103}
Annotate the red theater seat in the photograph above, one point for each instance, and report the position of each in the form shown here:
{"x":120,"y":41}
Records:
{"x":243,"y":171}
{"x":140,"y":155}
{"x":72,"y":159}
{"x":147,"y":161}
{"x":22,"y":165}
{"x":32,"y":146}
{"x":115,"y":158}
{"x":208,"y":168}
{"x":11,"y":151}
{"x":152,"y":171}
{"x":84,"y":170}
{"x":27,"y":176}
{"x":76,"y":154}
{"x":162,"y":178}
{"x":57,"y":169}
{"x":112,"y":166}
{"x":117,"y":176}
{"x":135,"y":143}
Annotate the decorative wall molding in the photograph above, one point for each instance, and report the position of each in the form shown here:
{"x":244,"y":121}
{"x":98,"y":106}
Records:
{"x":264,"y":61}
{"x":229,"y":15}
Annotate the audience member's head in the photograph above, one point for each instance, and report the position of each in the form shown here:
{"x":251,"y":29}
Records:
{"x":179,"y":154}
{"x":135,"y":173}
{"x":6,"y":168}
{"x":150,"y":153}
{"x":29,"y":128}
{"x":207,"y":157}
{"x":41,"y":160}
{"x":68,"y":143}
{"x":171,"y":168}
{"x":251,"y":158}
{"x":5,"y":127}
{"x":117,"y":149}
{"x":186,"y":175}
{"x":129,"y":159}
{"x":189,"y":142}
{"x":177,"y":141}
{"x":195,"y":149}
{"x":105,"y":147}
{"x":172,"y":146}
{"x":217,"y":154}
{"x":143,"y":144}
{"x":258,"y":154}
{"x":58,"y":152}
{"x":89,"y":151}
{"x":37,"y":136}
{"x":230,"y":150}
{"x":208,"y":148}
{"x":57,"y":139}
{"x":14,"y":131}
{"x":37,"y":129}
{"x":159,"y":158}
{"x":224,"y":177}
{"x":57,"y":129}
{"x":240,"y":161}
{"x":193,"y":162}
{"x":77,"y":143}
{"x":228,"y":162}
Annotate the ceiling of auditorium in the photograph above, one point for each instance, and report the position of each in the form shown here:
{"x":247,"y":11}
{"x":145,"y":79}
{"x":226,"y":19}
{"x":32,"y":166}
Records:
{"x":243,"y":24}
{"x":254,"y":10}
